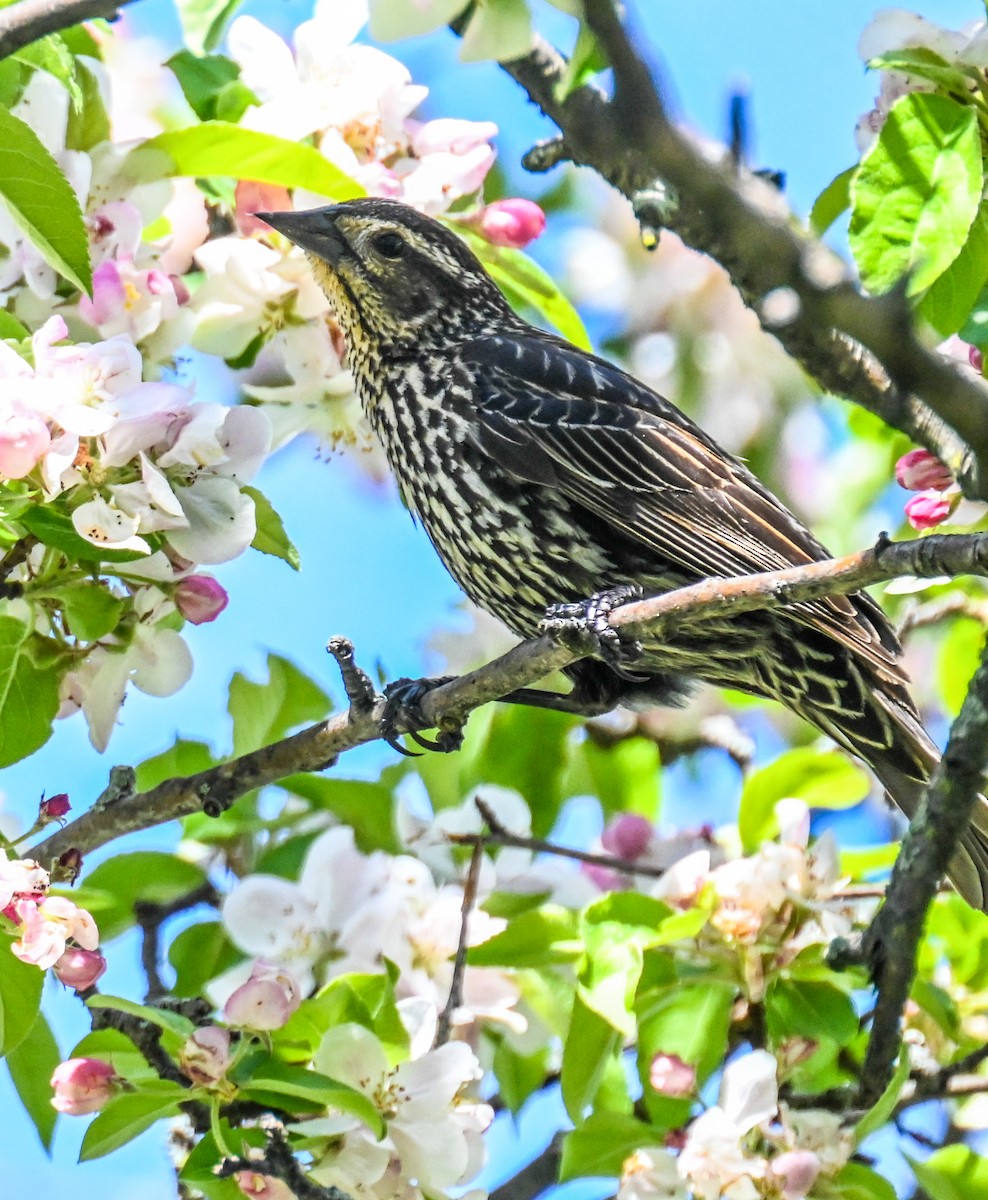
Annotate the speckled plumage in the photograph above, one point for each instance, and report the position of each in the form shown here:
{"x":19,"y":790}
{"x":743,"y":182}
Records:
{"x":543,"y":475}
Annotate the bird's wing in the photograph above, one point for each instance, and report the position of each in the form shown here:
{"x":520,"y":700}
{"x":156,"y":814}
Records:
{"x":551,"y":415}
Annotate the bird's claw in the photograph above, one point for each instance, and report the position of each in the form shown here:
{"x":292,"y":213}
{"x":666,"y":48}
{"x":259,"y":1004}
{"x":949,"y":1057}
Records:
{"x":586,"y":626}
{"x":402,"y":700}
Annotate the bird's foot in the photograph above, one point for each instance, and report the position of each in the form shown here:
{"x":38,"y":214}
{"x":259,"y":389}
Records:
{"x":402,"y":707}
{"x":586,"y":627}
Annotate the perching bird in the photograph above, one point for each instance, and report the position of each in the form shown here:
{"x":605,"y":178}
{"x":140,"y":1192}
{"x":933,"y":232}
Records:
{"x":544,"y":475}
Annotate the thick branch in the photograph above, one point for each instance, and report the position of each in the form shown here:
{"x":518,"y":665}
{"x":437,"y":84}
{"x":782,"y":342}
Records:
{"x":893,"y":938}
{"x":26,"y":22}
{"x":862,"y":347}
{"x":314,"y":748}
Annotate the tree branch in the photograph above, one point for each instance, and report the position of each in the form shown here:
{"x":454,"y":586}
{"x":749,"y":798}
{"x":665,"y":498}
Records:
{"x":862,"y":347}
{"x":278,"y":1161}
{"x":26,"y":22}
{"x":891,"y":942}
{"x":215,"y":789}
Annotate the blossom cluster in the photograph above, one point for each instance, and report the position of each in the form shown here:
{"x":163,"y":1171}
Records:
{"x":52,"y":931}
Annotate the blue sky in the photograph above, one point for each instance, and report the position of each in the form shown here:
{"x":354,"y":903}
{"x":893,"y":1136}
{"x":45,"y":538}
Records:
{"x":367,"y":572}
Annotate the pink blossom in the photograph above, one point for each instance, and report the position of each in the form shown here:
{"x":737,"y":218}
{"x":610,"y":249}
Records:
{"x":797,"y":1171}
{"x":671,"y":1076}
{"x":205,"y":1057}
{"x":200,"y":598}
{"x":928,"y":509}
{"x":920,"y":470}
{"x":627,"y":836}
{"x":82,"y":1085}
{"x":80,"y":969}
{"x":514,"y":222}
{"x":252,"y":197}
{"x":54,"y":808}
{"x":976,"y":358}
{"x":265,"y":1001}
{"x":128,"y":299}
{"x":451,"y":135}
{"x":24,"y":438}
{"x":48,"y":926}
{"x":263,"y":1187}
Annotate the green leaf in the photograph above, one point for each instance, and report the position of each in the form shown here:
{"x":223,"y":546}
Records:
{"x":55,"y":529}
{"x":625,"y":775}
{"x":199,"y":1168}
{"x":212,"y":86}
{"x":115,"y":886}
{"x":530,"y":289}
{"x":362,"y":999}
{"x":11,"y":328}
{"x":498,"y":32}
{"x":264,"y":712}
{"x":518,"y":1075}
{"x":28,"y":693}
{"x":600,"y":1145}
{"x":89,"y":122}
{"x":822,"y":779}
{"x":199,"y":954}
{"x":832,"y":201}
{"x":590,"y":1041}
{"x":126,"y":1116}
{"x":203,"y":21}
{"x":954,"y":1173}
{"x":861,"y":861}
{"x":586,"y":60}
{"x":20,"y":996}
{"x":957,"y":660}
{"x":91,"y":609}
{"x":31,"y":1066}
{"x":183,"y":758}
{"x":163,"y":1018}
{"x":923,"y":63}
{"x":541,"y":937}
{"x":916,"y":193}
{"x":394,"y":19}
{"x":221,"y":148}
{"x":858,"y":1182}
{"x":368,"y":808}
{"x":948,"y":303}
{"x":878,"y":1115}
{"x":274,"y":1079}
{"x":975,"y":328}
{"x":113,"y":1047}
{"x":52,"y":55}
{"x":271,"y":537}
{"x":41,"y":201}
{"x":811,"y":1009}
{"x":690,"y":1020}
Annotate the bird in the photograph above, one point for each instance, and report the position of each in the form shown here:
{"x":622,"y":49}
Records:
{"x":550,"y":481}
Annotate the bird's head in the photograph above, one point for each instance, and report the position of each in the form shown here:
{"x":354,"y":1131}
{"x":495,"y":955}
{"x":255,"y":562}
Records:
{"x":395,"y":278}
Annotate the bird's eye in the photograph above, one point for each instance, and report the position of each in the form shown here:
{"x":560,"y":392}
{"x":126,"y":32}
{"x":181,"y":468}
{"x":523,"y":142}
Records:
{"x":389,"y":245}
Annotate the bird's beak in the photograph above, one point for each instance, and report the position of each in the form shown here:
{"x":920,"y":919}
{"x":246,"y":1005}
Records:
{"x":314,"y":230}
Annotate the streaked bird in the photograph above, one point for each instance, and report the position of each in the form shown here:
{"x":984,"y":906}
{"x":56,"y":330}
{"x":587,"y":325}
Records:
{"x":544,"y":476}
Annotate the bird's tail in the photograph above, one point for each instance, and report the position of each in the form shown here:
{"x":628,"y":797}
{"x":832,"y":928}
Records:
{"x":968,"y":870}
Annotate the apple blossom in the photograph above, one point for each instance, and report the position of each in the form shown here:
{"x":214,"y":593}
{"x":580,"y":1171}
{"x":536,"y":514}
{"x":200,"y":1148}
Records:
{"x":919,"y":470}
{"x":21,"y":878}
{"x":796,"y":1171}
{"x":79,"y":969}
{"x":82,"y":1085}
{"x":930,"y":508}
{"x":265,"y":1001}
{"x":650,"y":1174}
{"x":205,"y":1056}
{"x":47,"y":926}
{"x":24,"y":440}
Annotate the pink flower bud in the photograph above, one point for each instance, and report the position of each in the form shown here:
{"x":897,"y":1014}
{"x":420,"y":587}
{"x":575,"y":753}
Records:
{"x":265,"y":1001}
{"x":206,"y":1055}
{"x":24,"y":440}
{"x":919,"y":470}
{"x":199,"y":598}
{"x":82,"y":1085}
{"x":627,"y":836}
{"x":263,"y":1187}
{"x":54,"y":808}
{"x":512,"y":222}
{"x":976,"y":358}
{"x":927,"y":509}
{"x":797,"y":1171}
{"x":670,"y":1076}
{"x":604,"y":878}
{"x":80,"y":969}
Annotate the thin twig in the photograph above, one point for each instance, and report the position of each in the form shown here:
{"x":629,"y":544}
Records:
{"x":150,"y":917}
{"x":278,"y":1162}
{"x":445,"y":1023}
{"x":215,"y":789}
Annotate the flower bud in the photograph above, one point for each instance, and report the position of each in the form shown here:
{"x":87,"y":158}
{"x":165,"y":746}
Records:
{"x":976,"y":358}
{"x":54,"y":808}
{"x":627,"y":836}
{"x":514,"y":222}
{"x":263,"y":1187}
{"x":80,"y":969}
{"x":928,"y":509}
{"x":199,"y":598}
{"x":265,"y":1001}
{"x":24,"y":439}
{"x":919,"y":470}
{"x":797,"y":1171}
{"x":670,"y":1076}
{"x":206,"y":1055}
{"x":82,"y":1085}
